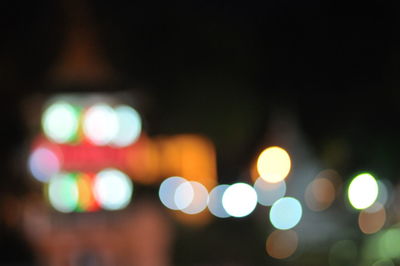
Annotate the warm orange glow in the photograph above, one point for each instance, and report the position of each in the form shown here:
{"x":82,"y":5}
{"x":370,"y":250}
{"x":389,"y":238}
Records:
{"x":143,"y":161}
{"x":253,"y":170}
{"x":332,"y":176}
{"x":282,"y":244}
{"x":171,"y":156}
{"x":198,"y":160}
{"x":371,"y":221}
{"x":190,"y":156}
{"x":320,"y":194}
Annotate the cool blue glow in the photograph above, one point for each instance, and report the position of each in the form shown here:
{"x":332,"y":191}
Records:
{"x":167,"y":191}
{"x":184,"y":195}
{"x":130,"y":126}
{"x":285,"y":213}
{"x":198,"y":198}
{"x":43,"y":164}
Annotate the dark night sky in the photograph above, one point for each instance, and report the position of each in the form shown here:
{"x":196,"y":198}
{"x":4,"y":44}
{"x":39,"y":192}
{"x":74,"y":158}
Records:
{"x":209,"y":66}
{"x":219,"y":68}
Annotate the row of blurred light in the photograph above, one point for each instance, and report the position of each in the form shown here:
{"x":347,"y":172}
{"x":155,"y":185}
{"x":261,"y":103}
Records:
{"x":236,"y":200}
{"x":101,"y":124}
{"x":109,"y":189}
{"x":239,"y":199}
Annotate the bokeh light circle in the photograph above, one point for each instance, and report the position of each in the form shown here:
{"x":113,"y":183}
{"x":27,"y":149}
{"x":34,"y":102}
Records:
{"x":389,"y":243}
{"x":112,"y":189}
{"x":320,"y":194}
{"x":43,"y":163}
{"x":60,"y":122}
{"x":285,"y":213}
{"x":100,"y":124}
{"x":199,"y":199}
{"x":167,"y":190}
{"x":184,"y":195}
{"x":273,"y":164}
{"x":363,"y":191}
{"x":215,"y":201}
{"x":372,"y":220}
{"x":63,"y":192}
{"x":282,"y":244}
{"x":129,"y":126}
{"x":268,"y":193}
{"x":239,"y":200}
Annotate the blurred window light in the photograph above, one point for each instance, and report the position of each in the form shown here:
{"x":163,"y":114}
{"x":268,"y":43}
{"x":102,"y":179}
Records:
{"x":112,"y":189}
{"x":285,"y":213}
{"x":273,"y":164}
{"x":282,"y":244}
{"x":363,"y":191}
{"x":100,"y":124}
{"x":43,"y":163}
{"x":184,"y":195}
{"x":239,"y":200}
{"x":199,"y":198}
{"x":60,"y":122}
{"x":167,"y":191}
{"x":320,"y":194}
{"x":63,"y":192}
{"x":268,"y":193}
{"x":129,"y":126}
{"x":343,"y":252}
{"x":215,"y":201}
{"x":371,"y":221}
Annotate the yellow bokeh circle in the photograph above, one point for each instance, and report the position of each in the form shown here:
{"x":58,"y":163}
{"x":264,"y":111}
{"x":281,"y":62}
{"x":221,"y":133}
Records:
{"x":273,"y":164}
